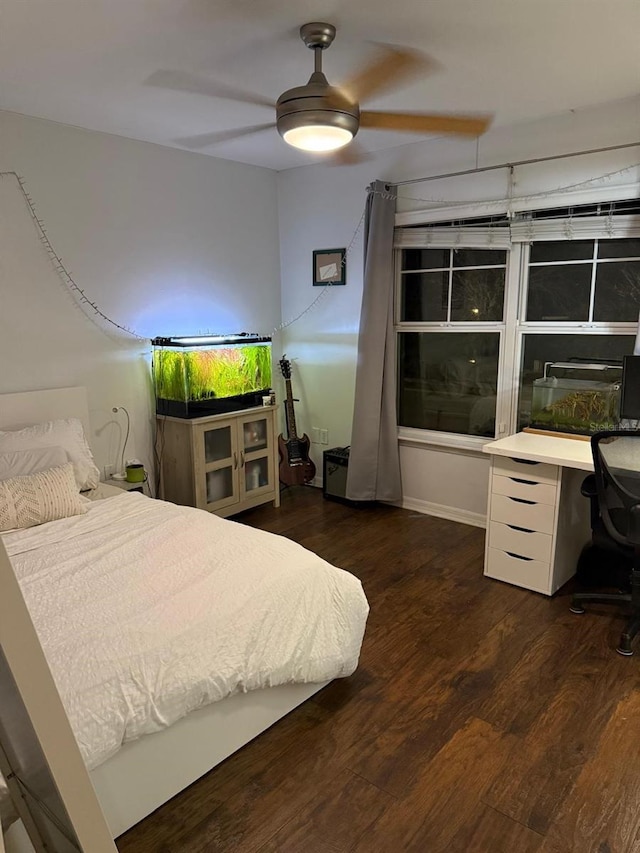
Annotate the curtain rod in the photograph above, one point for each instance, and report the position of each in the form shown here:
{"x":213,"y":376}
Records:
{"x":513,"y":164}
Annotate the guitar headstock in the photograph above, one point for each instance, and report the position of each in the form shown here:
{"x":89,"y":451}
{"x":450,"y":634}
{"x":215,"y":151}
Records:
{"x":285,"y":367}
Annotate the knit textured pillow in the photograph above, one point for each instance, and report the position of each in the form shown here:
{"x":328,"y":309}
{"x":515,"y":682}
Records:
{"x":36,"y":498}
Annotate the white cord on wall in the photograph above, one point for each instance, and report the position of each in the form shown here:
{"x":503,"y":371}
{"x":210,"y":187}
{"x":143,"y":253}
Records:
{"x":122,"y":474}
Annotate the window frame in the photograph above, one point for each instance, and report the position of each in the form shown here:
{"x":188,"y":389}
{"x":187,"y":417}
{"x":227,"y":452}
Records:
{"x":514,"y":326}
{"x":538,"y":327}
{"x":449,"y":439}
{"x":451,"y":269}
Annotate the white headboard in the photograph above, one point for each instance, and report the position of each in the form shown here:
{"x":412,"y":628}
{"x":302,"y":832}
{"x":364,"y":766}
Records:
{"x":33,"y":407}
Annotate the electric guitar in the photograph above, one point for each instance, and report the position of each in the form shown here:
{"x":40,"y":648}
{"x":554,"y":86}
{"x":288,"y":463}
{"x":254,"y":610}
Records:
{"x":296,"y":468}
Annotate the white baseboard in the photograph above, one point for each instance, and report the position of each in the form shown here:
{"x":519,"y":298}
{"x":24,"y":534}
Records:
{"x":452,"y":513}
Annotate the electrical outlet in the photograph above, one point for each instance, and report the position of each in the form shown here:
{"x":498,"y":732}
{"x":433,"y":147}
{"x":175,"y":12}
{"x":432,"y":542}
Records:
{"x":109,"y":471}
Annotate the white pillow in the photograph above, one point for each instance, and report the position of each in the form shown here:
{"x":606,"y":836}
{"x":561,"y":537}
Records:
{"x":66,"y":433}
{"x":19,"y":463}
{"x":38,"y":498}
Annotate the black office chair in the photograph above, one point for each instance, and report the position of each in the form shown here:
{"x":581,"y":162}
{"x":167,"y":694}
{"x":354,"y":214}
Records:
{"x":616,"y":525}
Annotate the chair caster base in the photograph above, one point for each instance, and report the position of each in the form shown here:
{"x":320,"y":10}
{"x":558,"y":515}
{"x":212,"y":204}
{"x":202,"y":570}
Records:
{"x":575,"y":608}
{"x":627,"y":653}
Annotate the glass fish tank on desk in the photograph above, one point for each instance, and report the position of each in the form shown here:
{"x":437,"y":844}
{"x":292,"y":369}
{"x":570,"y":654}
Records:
{"x":576,"y":398}
{"x":210,"y":374}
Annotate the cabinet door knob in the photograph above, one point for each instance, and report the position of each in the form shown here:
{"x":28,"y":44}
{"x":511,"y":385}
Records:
{"x":235,"y":460}
{"x":242,"y":458}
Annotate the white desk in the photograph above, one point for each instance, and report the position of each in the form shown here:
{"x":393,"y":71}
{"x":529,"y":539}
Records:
{"x":537,"y":520}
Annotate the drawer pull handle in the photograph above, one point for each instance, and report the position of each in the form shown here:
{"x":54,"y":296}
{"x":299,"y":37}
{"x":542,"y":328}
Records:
{"x":524,"y":461}
{"x":518,"y":557}
{"x":524,"y":482}
{"x":522,"y":501}
{"x":520,"y":529}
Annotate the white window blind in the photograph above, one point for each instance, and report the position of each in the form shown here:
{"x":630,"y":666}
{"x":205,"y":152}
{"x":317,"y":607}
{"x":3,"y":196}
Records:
{"x":575,"y":228}
{"x":446,"y":238}
{"x":519,"y":231}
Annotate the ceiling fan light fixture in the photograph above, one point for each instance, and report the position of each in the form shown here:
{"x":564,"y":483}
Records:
{"x":312,"y":124}
{"x":317,"y":117}
{"x":317,"y":137}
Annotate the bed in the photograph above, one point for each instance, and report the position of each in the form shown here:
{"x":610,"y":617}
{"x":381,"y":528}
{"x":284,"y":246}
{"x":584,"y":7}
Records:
{"x":163,"y":686}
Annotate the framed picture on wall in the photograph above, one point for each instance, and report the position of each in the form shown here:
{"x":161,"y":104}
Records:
{"x":329,"y":267}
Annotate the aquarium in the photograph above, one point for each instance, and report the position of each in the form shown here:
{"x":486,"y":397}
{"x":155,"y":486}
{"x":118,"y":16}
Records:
{"x":576,"y":398}
{"x":210,"y":374}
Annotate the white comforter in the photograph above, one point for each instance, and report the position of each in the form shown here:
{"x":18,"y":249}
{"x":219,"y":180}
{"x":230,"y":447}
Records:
{"x":147,"y":610}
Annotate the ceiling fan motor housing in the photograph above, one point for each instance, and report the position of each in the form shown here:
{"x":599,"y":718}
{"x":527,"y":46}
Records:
{"x":316,"y":103}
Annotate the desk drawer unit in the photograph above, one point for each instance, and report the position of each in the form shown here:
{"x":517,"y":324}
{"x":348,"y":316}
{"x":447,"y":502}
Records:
{"x":540,"y":472}
{"x":528,"y":490}
{"x":518,"y":540}
{"x":518,"y":570}
{"x":523,"y":501}
{"x":523,"y":513}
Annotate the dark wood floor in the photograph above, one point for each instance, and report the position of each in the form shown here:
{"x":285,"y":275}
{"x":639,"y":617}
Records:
{"x":482,"y":719}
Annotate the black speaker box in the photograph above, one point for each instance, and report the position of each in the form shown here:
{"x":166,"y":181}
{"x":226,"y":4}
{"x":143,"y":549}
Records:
{"x":335,"y":463}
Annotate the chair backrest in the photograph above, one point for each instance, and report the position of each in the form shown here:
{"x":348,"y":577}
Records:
{"x":616,"y":461}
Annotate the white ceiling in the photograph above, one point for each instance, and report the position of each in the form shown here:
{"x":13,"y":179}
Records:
{"x":86,"y":62}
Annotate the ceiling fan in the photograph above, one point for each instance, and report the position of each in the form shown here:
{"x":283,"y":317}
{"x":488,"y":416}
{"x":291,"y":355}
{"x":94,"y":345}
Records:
{"x":319,"y":117}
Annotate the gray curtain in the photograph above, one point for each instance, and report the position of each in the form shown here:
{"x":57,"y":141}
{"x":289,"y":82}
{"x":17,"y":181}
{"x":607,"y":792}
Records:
{"x":374,"y":460}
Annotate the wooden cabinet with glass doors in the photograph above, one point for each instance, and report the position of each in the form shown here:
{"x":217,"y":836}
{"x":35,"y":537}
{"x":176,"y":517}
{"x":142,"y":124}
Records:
{"x":220,"y":463}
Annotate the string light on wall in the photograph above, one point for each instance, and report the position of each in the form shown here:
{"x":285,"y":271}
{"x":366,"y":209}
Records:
{"x":85,"y":302}
{"x":59,"y":266}
{"x":324,"y":290}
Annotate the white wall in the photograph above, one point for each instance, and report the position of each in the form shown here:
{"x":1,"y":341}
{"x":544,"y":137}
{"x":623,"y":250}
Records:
{"x":320,"y":207}
{"x":168,"y":242}
{"x":164,"y":241}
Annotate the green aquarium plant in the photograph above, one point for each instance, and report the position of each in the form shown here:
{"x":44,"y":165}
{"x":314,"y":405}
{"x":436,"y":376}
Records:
{"x":216,"y":368}
{"x":581,"y":410}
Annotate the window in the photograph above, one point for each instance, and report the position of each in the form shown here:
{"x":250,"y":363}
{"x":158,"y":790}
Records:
{"x":448,"y":381}
{"x":565,"y":348}
{"x":584,"y":281}
{"x":451,"y":313}
{"x":453,"y":285}
{"x":481,"y":307}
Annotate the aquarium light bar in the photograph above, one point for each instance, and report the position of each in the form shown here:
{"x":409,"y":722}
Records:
{"x":580,"y":365}
{"x":208,"y":340}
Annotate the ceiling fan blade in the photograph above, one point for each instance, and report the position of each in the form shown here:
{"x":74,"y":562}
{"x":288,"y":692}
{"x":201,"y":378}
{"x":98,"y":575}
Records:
{"x":466,"y":125}
{"x":203,"y":140}
{"x":349,"y":155}
{"x":183,"y":81}
{"x":391,"y":67}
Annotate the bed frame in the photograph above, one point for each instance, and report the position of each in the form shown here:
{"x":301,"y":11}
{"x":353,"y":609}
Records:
{"x":147,"y":772}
